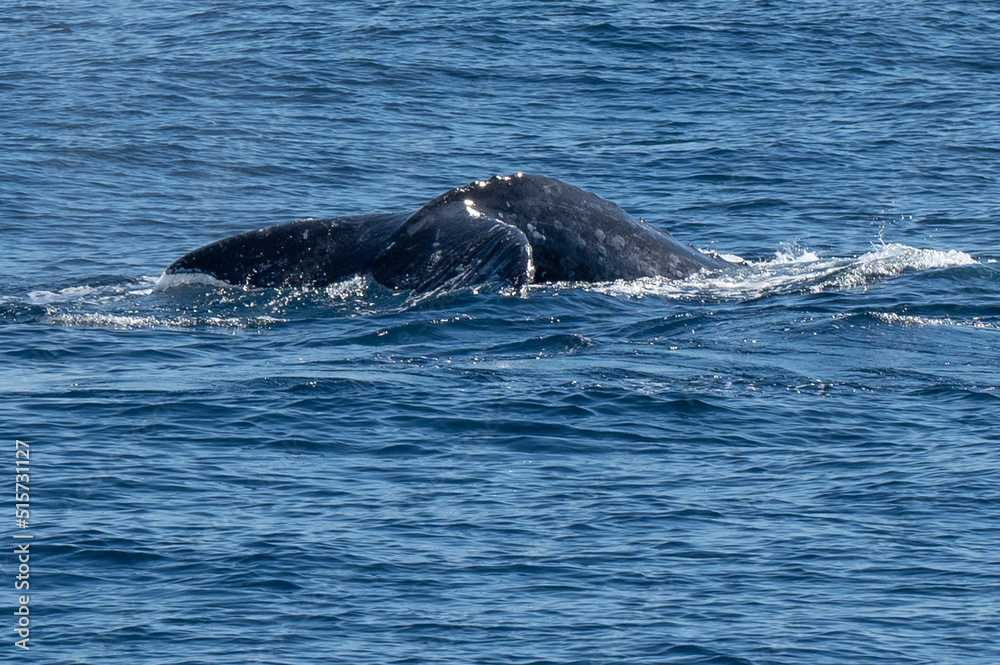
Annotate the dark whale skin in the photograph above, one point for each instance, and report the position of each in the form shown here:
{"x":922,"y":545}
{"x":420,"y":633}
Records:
{"x":508,"y":230}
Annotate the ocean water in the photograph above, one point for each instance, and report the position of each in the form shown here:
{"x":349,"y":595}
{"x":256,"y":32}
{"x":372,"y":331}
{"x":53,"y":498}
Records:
{"x":796,"y":462}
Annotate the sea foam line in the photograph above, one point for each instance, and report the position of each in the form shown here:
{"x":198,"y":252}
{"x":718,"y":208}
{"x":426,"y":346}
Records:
{"x":791,"y":272}
{"x":135,"y":322}
{"x":910,"y":320}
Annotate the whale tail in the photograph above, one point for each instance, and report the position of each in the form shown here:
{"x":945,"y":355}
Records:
{"x":506,"y":231}
{"x":312,"y":251}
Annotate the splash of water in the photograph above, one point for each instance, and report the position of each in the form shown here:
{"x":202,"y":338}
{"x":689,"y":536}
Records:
{"x":792,"y":272}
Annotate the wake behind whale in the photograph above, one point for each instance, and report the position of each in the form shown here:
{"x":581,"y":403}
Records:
{"x":506,"y":231}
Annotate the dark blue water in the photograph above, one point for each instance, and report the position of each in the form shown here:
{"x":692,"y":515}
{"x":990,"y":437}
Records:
{"x":794,"y":463}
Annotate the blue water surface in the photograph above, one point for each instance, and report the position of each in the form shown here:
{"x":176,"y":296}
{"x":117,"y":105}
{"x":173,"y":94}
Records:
{"x":796,"y":462}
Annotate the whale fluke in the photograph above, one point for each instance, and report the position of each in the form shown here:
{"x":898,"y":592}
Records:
{"x":511,"y":230}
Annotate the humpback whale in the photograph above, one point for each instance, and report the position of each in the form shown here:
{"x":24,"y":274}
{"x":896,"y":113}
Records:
{"x":508,"y":230}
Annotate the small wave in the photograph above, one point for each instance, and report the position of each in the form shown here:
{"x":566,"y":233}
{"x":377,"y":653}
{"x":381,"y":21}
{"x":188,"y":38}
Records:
{"x":149,"y":302}
{"x":540,"y":347}
{"x":94,"y":294}
{"x":890,"y":260}
{"x":798,"y":271}
{"x":909,"y":320}
{"x":791,"y":255}
{"x":125,"y":305}
{"x":135,"y":322}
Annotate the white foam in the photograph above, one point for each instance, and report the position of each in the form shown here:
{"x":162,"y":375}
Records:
{"x":42,"y":297}
{"x":910,"y":320}
{"x":175,"y":279}
{"x":912,"y":257}
{"x":890,"y":260}
{"x":805,"y":256}
{"x":791,"y":270}
{"x":732,"y":258}
{"x":134,"y":322}
{"x":92,"y":294}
